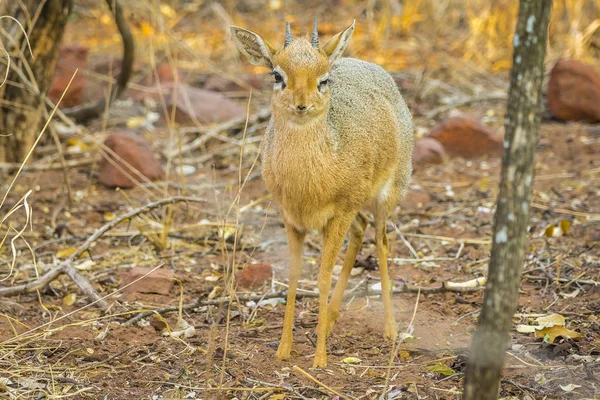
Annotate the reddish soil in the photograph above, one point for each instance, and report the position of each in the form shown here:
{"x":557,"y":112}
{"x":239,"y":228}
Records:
{"x":138,"y":361}
{"x":49,"y":348}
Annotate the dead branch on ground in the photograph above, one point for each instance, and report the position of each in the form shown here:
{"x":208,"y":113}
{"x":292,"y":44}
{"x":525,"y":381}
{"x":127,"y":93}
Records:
{"x":463,"y":287}
{"x":66,"y":267}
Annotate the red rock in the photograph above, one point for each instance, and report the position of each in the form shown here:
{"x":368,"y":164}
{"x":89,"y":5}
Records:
{"x":428,"y":151}
{"x":134,"y":150}
{"x":70,"y":58}
{"x":218,"y":83}
{"x":201,"y":105}
{"x":158,"y":282}
{"x":167,"y":73}
{"x":465,"y":137}
{"x":254,"y":275}
{"x":109,"y":66}
{"x":164,"y":71}
{"x":574,"y":91}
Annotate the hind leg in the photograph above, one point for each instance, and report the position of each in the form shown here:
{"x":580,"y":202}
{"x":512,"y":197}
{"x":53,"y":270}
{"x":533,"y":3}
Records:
{"x":382,"y":244}
{"x":357,"y":233}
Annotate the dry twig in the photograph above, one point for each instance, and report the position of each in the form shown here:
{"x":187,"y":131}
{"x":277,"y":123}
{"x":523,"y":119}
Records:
{"x":66,"y":267}
{"x":470,"y":286}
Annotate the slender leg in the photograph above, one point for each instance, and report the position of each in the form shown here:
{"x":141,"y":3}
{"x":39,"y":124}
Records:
{"x":357,"y":233}
{"x":382,"y":244}
{"x":333,"y":238}
{"x":295,"y":242}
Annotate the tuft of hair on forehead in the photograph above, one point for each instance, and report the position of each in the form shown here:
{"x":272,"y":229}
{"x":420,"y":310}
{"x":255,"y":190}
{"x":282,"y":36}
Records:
{"x":301,"y":54}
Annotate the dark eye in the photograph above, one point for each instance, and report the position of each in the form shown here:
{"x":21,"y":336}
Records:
{"x":323,"y":84}
{"x":278,"y":77}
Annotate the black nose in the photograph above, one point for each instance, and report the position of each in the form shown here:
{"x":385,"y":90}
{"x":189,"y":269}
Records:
{"x":301,"y":108}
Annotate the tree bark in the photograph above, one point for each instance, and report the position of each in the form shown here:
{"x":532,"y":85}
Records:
{"x":484,"y":369}
{"x":29,"y":78}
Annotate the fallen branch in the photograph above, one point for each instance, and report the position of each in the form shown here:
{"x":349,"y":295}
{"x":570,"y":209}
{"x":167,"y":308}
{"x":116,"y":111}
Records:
{"x":470,"y":100}
{"x":215,"y":132}
{"x":473,"y":285}
{"x":315,"y":380}
{"x":55,"y":165}
{"x":66,"y":267}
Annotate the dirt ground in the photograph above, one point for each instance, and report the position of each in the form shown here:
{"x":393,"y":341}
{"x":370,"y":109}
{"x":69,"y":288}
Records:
{"x":50,"y":345}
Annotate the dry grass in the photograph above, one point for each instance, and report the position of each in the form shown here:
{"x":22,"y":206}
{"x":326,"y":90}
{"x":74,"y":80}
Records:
{"x":419,"y":34}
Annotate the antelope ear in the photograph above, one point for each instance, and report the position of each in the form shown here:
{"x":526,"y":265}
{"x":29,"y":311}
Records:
{"x":257,"y":50}
{"x":337,"y":45}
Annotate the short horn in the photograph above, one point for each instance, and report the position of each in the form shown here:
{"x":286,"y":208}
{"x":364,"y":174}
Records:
{"x":315,"y":34}
{"x":288,"y":35}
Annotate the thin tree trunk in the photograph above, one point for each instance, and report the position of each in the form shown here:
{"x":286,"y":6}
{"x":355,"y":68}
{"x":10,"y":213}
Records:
{"x":484,"y":370}
{"x":29,"y":78}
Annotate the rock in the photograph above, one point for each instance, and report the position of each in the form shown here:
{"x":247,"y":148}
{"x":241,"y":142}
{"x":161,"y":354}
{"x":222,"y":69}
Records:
{"x":465,"y":137}
{"x":218,"y":83}
{"x":134,"y":150}
{"x":254,"y":275}
{"x":167,"y":73}
{"x":201,"y":105}
{"x":158,"y":282}
{"x":108,"y":66}
{"x":428,"y":151}
{"x":574,"y":91}
{"x":70,"y":58}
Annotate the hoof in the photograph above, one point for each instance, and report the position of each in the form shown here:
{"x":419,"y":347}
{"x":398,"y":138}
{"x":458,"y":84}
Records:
{"x":320,"y":362}
{"x":283,"y":352}
{"x":282,"y":355}
{"x":390,"y":332}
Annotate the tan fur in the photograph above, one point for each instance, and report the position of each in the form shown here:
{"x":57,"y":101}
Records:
{"x":350,"y":151}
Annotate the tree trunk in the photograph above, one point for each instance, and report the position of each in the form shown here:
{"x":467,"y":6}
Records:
{"x":482,"y":381}
{"x":23,"y":94}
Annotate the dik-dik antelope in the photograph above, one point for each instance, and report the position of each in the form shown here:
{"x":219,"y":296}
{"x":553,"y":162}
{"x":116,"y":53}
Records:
{"x":340,"y":140}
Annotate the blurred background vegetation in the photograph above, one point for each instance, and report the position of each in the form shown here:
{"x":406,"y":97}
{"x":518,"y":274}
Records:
{"x":398,"y":34}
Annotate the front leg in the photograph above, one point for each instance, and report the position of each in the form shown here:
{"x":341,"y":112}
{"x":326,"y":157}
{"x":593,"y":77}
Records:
{"x":295,"y":242}
{"x":333,"y":238}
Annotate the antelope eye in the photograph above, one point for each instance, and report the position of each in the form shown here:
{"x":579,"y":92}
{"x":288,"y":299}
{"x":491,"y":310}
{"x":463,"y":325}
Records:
{"x":323,"y":84}
{"x":278,"y":77}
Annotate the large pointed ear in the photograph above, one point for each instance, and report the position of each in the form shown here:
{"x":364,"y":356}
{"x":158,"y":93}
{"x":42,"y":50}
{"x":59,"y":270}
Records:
{"x":337,"y":45}
{"x":257,"y":50}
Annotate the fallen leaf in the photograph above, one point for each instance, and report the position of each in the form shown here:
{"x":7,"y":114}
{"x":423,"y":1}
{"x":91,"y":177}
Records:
{"x":182,"y":328}
{"x":565,"y":226}
{"x":525,"y":328}
{"x":64,"y":253}
{"x":556,"y":331}
{"x":69,"y":299}
{"x":76,"y":145}
{"x":68,"y":252}
{"x":551,"y":320}
{"x":562,"y":228}
{"x":441,"y":369}
{"x":351,"y":360}
{"x":570,"y":387}
{"x":216,"y":290}
{"x":406,"y":337}
{"x":571,"y":295}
